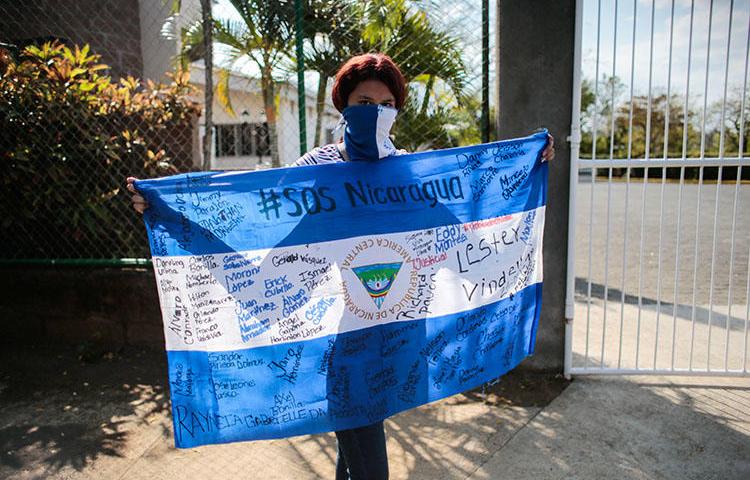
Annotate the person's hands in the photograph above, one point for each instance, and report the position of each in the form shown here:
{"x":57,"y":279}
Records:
{"x":549,"y":151}
{"x":139,"y":203}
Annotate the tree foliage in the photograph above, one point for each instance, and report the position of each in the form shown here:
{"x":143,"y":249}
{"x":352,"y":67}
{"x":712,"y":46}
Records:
{"x":70,"y":136}
{"x":264,"y":36}
{"x":334,"y":30}
{"x":635,"y":128}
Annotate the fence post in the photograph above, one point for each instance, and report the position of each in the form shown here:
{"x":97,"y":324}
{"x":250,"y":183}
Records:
{"x":485,"y":71}
{"x":299,"y":22}
{"x":535,"y":69}
{"x":208,"y":24}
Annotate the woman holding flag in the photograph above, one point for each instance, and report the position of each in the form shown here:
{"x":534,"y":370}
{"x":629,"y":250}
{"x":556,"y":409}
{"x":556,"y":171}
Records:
{"x":369,"y":90}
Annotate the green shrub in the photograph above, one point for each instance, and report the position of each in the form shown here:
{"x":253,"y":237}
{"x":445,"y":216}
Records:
{"x":69,"y":137}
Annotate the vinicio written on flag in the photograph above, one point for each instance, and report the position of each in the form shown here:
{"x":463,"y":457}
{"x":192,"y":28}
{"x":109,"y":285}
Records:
{"x":328,"y":297}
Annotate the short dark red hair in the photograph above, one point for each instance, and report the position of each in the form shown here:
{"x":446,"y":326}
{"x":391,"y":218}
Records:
{"x":368,"y":66}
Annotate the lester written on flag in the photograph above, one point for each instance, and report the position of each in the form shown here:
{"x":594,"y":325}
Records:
{"x":323,"y":298}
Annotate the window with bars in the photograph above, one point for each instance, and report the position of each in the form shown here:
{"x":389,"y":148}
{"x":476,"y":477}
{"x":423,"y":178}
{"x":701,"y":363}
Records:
{"x":242,"y":139}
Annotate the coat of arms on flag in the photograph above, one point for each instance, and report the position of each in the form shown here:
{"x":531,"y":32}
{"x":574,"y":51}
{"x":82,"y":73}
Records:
{"x":377,"y":279}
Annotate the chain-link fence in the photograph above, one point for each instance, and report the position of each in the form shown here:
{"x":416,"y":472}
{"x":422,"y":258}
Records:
{"x":91,"y":92}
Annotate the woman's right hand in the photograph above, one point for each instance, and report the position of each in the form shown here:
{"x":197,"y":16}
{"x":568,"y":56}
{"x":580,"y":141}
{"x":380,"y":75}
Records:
{"x":139,"y":203}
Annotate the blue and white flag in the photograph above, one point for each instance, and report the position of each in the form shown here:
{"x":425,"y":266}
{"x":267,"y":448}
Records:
{"x":322,"y":298}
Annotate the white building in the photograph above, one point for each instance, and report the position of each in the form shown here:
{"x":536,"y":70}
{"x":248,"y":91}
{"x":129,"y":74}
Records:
{"x":241,"y":141}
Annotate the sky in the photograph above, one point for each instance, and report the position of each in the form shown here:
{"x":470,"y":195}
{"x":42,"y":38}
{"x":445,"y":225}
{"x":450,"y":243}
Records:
{"x":616,"y":53}
{"x":616,"y":47}
{"x":460,"y":17}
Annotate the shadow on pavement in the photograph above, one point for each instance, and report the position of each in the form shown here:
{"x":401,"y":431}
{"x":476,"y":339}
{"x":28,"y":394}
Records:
{"x":634,"y":428}
{"x":67,"y":409}
{"x":615,"y":295}
{"x":61,"y":417}
{"x":67,"y":406}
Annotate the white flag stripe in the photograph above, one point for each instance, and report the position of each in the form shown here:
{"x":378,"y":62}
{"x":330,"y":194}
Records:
{"x":221,"y":302}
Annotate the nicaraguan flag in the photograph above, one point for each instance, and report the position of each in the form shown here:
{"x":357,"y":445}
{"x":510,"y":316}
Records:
{"x":323,"y":298}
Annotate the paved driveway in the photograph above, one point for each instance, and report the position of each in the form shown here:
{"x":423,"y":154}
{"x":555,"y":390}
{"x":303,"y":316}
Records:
{"x":618,"y":256}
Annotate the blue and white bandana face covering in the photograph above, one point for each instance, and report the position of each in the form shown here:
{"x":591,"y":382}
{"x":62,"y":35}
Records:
{"x":367,"y":133}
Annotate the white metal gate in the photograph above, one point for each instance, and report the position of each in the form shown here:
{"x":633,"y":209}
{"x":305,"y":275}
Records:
{"x":659,"y":235}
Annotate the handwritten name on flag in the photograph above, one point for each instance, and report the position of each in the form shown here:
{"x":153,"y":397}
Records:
{"x":313,"y":299}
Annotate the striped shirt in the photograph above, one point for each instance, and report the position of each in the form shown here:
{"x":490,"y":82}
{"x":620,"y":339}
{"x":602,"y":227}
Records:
{"x":326,"y":154}
{"x":319,"y":155}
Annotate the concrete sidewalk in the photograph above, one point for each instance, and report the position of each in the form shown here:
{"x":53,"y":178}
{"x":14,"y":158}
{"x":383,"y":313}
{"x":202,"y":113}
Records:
{"x":61,"y":418}
{"x":634,"y":428}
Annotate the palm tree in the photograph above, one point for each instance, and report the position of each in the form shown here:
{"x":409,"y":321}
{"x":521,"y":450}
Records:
{"x":263,"y":35}
{"x":333,"y":30}
{"x":419,"y":49}
{"x":205,"y":51}
{"x":338,"y":29}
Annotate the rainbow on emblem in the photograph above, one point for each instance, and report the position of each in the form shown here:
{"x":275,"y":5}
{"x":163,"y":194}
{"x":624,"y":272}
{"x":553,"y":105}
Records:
{"x":377,"y":279}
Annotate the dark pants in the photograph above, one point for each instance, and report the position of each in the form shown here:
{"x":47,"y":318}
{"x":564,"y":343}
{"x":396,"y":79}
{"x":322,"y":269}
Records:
{"x":362,"y":454}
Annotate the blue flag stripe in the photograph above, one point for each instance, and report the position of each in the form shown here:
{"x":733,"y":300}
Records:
{"x":202,"y":213}
{"x":311,"y":386}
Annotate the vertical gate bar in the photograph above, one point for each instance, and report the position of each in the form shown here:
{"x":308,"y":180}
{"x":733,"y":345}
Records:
{"x":647,"y":155}
{"x":658,"y":261}
{"x":718,"y":190}
{"x":731,"y":269}
{"x":728,"y":324}
{"x":627,"y":181}
{"x":677,"y":267}
{"x":663,"y":182}
{"x":705,"y":85}
{"x":742,"y":102}
{"x":609,"y":184}
{"x":747,"y":312}
{"x":669,"y":83}
{"x":588,"y":289}
{"x":624,"y":264}
{"x":726,"y":82}
{"x":593,"y":176}
{"x":741,"y":154}
{"x":695,"y":265}
{"x":575,"y":146}
{"x":685,"y":117}
{"x":711,"y":277}
{"x":700,"y":170}
{"x":640,"y":268}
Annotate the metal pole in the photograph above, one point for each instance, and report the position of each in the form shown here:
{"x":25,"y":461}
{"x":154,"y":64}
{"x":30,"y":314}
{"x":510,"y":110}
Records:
{"x":299,"y":21}
{"x":485,"y":71}
{"x":627,"y":185}
{"x":575,"y":145}
{"x":208,"y":94}
{"x":497,"y":69}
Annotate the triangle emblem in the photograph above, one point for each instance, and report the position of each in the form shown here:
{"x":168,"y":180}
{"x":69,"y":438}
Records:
{"x":377,"y":279}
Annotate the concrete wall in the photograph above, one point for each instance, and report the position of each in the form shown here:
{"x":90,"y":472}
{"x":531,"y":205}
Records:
{"x":535,"y":68}
{"x":111,"y":27}
{"x":157,"y":52}
{"x":111,"y":306}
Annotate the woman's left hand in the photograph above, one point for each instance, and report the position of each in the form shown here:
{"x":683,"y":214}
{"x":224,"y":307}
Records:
{"x":549,"y":151}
